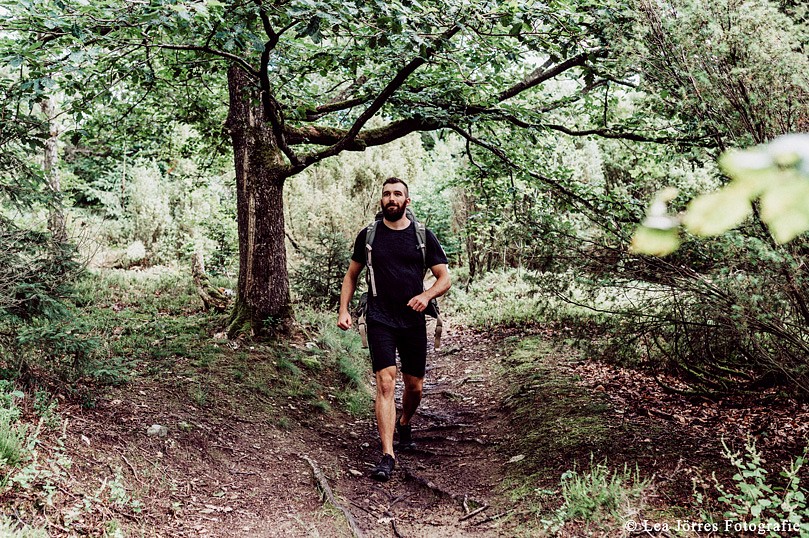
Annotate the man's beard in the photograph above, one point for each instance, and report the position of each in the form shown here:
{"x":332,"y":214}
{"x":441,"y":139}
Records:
{"x":393,"y":212}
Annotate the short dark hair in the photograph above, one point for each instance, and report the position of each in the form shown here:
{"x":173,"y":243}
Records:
{"x":391,"y":180}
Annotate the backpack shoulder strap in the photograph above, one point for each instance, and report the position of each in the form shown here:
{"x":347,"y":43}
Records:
{"x":421,"y":236}
{"x":370,"y":233}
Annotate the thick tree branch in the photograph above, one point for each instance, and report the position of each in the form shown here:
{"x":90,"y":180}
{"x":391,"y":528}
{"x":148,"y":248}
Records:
{"x":397,"y":81}
{"x":334,"y":106}
{"x":265,"y":22}
{"x":617,"y":133}
{"x":341,"y":101}
{"x":272,"y":108}
{"x":323,"y":136}
{"x":540,"y":75}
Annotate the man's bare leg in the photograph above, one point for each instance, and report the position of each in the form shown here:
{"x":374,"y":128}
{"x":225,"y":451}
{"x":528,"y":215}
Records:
{"x":411,"y":398}
{"x":385,"y":407}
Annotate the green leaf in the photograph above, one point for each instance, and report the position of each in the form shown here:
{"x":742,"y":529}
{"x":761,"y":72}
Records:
{"x":655,"y":241}
{"x":717,"y":212}
{"x":785,"y":209}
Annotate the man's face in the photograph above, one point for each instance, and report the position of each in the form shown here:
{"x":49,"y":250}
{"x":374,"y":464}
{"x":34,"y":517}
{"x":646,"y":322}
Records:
{"x":394,"y":201}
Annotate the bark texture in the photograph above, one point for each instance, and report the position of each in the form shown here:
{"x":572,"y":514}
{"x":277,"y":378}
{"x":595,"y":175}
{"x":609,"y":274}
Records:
{"x":56,"y":217}
{"x":263,"y":301}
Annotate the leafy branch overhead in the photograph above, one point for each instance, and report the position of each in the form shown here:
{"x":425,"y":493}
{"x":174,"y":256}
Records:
{"x":770,"y":180}
{"x":326,"y":69}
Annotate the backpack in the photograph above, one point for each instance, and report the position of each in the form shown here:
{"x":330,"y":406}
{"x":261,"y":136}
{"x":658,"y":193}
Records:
{"x":362,"y":309}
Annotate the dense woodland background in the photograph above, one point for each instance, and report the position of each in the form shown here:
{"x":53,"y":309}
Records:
{"x":136,"y":136}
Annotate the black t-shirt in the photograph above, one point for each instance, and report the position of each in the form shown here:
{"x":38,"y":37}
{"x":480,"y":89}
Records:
{"x":398,"y":273}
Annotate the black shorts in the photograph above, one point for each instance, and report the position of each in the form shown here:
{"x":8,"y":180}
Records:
{"x":383,"y":341}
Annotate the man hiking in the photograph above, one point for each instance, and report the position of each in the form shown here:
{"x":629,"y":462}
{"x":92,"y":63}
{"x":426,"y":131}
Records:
{"x":395,"y":315}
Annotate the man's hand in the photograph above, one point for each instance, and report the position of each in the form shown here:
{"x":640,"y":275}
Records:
{"x":419,"y":302}
{"x":344,"y":321}
{"x":346,"y":292}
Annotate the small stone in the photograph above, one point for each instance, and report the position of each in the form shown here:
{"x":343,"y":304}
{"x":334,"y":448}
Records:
{"x":353,"y":435}
{"x":157,"y":430}
{"x":355,"y":472}
{"x":517,"y":458}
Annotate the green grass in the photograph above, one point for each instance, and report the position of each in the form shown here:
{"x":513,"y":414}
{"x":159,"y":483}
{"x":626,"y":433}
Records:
{"x":151,"y":323}
{"x":12,"y":438}
{"x":558,"y":419}
{"x":597,"y":493}
{"x":598,"y":499}
{"x":497,"y":298}
{"x":561,"y":423}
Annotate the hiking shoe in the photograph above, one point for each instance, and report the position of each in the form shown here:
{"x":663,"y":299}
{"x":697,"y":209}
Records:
{"x":405,"y":437}
{"x":384,"y":468}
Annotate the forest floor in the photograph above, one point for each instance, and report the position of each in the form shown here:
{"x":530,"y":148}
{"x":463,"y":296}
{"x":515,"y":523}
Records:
{"x":504,"y":415}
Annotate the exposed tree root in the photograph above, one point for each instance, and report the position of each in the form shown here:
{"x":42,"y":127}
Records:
{"x":460,"y":499}
{"x":211,"y":297}
{"x":323,"y":485}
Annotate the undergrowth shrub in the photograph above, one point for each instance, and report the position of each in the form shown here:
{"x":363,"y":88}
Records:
{"x":504,"y":297}
{"x":38,"y":327}
{"x":730,"y":317}
{"x":169,"y":213}
{"x":12,"y":434}
{"x":317,"y":279}
{"x":599,"y":496}
{"x":35,"y":481}
{"x":777,"y":506}
{"x":11,"y":529}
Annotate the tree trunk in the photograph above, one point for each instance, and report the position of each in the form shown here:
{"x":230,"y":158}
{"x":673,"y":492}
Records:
{"x":56,"y":218}
{"x":262,"y":302}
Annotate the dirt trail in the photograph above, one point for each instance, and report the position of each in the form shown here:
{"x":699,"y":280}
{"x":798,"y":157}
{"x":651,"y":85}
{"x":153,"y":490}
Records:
{"x":216,"y":474}
{"x":458,"y":465}
{"x":235,"y":466}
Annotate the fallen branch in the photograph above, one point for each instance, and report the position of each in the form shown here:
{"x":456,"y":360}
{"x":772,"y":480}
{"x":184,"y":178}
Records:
{"x":473,"y":513}
{"x":323,"y":485}
{"x":211,"y":297}
{"x":492,"y":518}
{"x":396,"y":532}
{"x":442,"y":427}
{"x":132,"y":468}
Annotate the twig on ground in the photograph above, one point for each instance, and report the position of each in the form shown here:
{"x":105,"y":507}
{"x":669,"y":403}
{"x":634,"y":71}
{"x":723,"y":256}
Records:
{"x":401,"y":497}
{"x":473,"y":513}
{"x":396,"y":532}
{"x":323,"y":484}
{"x":492,"y":518}
{"x":132,"y":468}
{"x":364,"y":509}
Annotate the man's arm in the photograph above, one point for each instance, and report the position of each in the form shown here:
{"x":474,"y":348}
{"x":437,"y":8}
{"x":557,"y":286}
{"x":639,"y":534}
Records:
{"x":346,"y":293}
{"x":440,"y":287}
